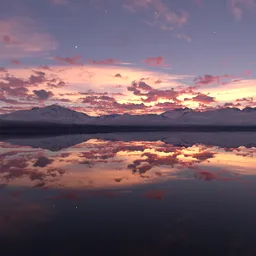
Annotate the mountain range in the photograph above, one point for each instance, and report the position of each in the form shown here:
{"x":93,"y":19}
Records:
{"x":55,"y":114}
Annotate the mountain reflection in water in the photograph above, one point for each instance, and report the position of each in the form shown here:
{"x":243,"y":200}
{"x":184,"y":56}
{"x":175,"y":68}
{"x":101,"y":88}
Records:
{"x":129,"y":194}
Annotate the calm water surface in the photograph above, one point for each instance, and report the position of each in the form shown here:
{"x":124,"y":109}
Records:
{"x":129,"y":194}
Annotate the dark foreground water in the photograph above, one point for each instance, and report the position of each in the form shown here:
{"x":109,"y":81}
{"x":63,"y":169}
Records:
{"x":128,"y":194}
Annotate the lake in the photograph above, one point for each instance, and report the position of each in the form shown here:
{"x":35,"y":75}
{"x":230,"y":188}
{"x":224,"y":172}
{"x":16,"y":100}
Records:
{"x":155,"y":193}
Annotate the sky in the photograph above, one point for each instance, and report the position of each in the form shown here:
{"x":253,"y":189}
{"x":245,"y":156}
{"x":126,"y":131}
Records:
{"x":127,"y":56}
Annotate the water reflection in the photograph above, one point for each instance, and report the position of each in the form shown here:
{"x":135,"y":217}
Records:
{"x":106,"y":183}
{"x":105,"y":163}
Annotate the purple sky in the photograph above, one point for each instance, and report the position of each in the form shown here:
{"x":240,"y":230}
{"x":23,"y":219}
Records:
{"x":136,"y":56}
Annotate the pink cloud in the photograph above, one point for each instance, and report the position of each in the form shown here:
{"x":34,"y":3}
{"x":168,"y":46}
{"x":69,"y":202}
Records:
{"x":56,"y":84}
{"x":9,"y":101}
{"x":238,"y":6}
{"x":151,"y":94}
{"x":3,"y":70}
{"x":104,"y":62}
{"x":210,"y":79}
{"x":7,"y":40}
{"x":45,"y":67}
{"x":156,"y":61}
{"x":22,"y":36}
{"x":43,"y":94}
{"x":203,"y":98}
{"x":139,"y":86}
{"x":164,"y":106}
{"x":247,"y":72}
{"x":231,"y":105}
{"x":16,"y":62}
{"x":155,"y":194}
{"x":249,"y":99}
{"x":69,"y":60}
{"x":199,"y":3}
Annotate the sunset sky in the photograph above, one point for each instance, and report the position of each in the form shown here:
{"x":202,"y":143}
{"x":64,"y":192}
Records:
{"x":127,"y":56}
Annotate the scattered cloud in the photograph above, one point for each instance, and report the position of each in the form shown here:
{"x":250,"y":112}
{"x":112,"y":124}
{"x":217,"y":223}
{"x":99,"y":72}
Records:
{"x":239,"y":6}
{"x":210,"y":79}
{"x":247,"y":72}
{"x":104,"y":62}
{"x":203,"y":98}
{"x":16,"y":62}
{"x":42,"y":162}
{"x":183,"y":36}
{"x":155,"y":61}
{"x":3,"y":70}
{"x":76,"y":60}
{"x":43,"y":94}
{"x":163,"y":16}
{"x":140,"y":92}
{"x":199,"y":3}
{"x":23,"y":37}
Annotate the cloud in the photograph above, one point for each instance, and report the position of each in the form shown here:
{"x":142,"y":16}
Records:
{"x":238,"y":6}
{"x":151,"y":94}
{"x":69,"y":60}
{"x":155,"y":61}
{"x":199,"y":3}
{"x":42,"y":162}
{"x":205,"y":155}
{"x":107,"y":104}
{"x":21,"y":87}
{"x":163,"y":17}
{"x":104,"y":62}
{"x":231,"y":105}
{"x":23,"y":37}
{"x":43,"y":94}
{"x":118,"y":75}
{"x":249,"y":99}
{"x":7,"y":40}
{"x":16,"y":62}
{"x":9,"y":101}
{"x":158,"y":81}
{"x":16,"y":92}
{"x":155,"y":194}
{"x":139,"y":86}
{"x":183,"y":36}
{"x":248,"y":72}
{"x":75,"y":83}
{"x":203,"y":98}
{"x":3,"y":70}
{"x":45,"y":67}
{"x":165,"y":106}
{"x":210,"y":79}
{"x":56,"y":84}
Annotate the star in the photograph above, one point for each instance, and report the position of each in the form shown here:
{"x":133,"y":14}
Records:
{"x":76,"y":46}
{"x":106,"y":11}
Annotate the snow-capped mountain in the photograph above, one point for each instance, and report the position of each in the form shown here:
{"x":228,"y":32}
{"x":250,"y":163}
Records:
{"x":52,"y":114}
{"x":186,"y":116}
{"x":173,"y":114}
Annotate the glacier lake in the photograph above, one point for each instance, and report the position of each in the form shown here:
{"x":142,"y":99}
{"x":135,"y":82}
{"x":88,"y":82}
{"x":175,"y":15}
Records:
{"x":155,"y":193}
